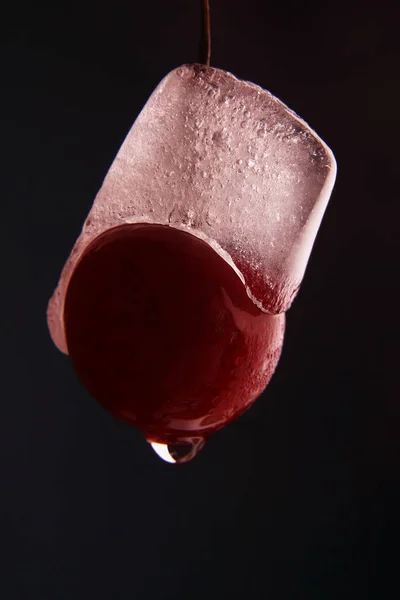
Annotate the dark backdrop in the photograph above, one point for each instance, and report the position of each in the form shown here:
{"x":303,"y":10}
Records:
{"x":298,"y":498}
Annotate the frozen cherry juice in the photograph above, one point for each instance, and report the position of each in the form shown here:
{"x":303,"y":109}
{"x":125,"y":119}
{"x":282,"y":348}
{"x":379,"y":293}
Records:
{"x":171,"y":303}
{"x":162,"y":333}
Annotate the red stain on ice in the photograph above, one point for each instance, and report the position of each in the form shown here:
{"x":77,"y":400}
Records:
{"x":162,"y":333}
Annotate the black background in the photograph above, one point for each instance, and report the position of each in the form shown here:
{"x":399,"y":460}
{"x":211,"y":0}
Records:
{"x":297,"y":499}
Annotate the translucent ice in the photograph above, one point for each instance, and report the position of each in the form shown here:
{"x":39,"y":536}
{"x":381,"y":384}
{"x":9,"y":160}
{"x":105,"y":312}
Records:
{"x":228,"y":162}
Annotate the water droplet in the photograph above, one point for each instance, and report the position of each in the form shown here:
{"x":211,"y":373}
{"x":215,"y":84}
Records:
{"x":184,"y":450}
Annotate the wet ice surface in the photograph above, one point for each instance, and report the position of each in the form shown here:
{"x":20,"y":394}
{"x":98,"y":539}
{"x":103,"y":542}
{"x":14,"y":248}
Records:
{"x":228,"y":162}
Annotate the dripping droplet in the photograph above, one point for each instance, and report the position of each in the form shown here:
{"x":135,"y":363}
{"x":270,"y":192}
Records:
{"x":184,"y":450}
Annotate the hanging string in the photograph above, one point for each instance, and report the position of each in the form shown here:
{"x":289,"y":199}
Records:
{"x":206,"y":40}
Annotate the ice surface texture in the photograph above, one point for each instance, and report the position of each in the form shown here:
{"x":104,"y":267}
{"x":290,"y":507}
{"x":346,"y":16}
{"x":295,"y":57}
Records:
{"x":228,"y":162}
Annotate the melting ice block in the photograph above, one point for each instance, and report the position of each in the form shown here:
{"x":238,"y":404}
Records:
{"x":228,"y":162}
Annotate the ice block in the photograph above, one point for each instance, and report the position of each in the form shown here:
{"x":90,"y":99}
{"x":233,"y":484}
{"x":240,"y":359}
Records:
{"x":226,"y":161}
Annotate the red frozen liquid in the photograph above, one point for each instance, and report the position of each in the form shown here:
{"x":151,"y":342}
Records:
{"x":162,"y":333}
